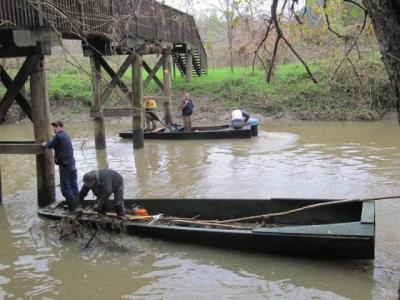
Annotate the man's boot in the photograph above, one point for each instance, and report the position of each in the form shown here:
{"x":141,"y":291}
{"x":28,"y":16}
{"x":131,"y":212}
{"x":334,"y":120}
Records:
{"x":71,"y":203}
{"x":120,"y":210}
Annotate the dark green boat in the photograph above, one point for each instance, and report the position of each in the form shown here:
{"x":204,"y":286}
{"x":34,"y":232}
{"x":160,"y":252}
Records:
{"x":197,"y":133}
{"x":334,"y":231}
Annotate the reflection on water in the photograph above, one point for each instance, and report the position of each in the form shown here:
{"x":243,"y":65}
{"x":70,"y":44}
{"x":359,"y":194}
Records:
{"x":329,"y":160}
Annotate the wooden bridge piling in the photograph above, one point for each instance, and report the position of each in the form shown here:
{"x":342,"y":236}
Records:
{"x":96,"y":107}
{"x":189,"y":63}
{"x":41,"y":116}
{"x":30,"y":31}
{"x":101,"y":157}
{"x":137,"y":100}
{"x":1,"y":189}
{"x":167,"y":86}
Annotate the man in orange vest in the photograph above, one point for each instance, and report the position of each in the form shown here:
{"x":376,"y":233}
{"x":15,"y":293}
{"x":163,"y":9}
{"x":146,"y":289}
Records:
{"x":150,"y":105}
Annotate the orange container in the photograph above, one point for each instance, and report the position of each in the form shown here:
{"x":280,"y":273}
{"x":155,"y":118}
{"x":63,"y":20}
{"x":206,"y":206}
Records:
{"x":141,"y":212}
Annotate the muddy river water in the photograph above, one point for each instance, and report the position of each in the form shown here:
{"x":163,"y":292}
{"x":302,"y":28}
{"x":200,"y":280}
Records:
{"x":307,"y":160}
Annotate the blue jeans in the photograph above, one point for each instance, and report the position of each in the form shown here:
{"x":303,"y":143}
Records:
{"x":68,"y":182}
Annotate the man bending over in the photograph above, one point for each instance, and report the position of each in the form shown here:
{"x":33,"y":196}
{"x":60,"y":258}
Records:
{"x":103,"y":183}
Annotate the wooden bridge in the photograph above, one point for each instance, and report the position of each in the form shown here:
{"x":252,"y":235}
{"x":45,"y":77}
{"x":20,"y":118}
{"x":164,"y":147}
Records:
{"x":135,"y":28}
{"x":110,"y":26}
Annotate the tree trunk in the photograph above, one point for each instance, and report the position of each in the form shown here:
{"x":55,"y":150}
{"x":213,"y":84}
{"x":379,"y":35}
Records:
{"x":385,"y":15}
{"x":230,"y":42}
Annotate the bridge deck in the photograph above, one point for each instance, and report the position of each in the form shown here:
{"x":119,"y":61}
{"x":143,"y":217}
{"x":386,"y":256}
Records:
{"x":114,"y":20}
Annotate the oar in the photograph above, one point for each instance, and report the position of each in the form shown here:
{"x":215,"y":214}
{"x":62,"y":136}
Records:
{"x":156,"y":118}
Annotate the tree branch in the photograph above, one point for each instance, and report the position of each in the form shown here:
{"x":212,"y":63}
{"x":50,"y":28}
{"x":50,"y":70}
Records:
{"x":281,"y":36}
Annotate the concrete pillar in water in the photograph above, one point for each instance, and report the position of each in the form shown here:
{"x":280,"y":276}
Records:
{"x":167,"y":86}
{"x":97,"y":109}
{"x":41,"y":126}
{"x":137,"y":94}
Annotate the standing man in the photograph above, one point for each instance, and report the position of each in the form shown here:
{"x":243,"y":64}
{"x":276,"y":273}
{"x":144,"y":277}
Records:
{"x":64,"y":158}
{"x":150,"y":106}
{"x":187,"y":110}
{"x":103,"y":183}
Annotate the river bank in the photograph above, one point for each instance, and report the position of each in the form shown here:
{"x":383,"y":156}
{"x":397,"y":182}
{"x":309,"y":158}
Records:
{"x":207,"y":110}
{"x":291,"y":95}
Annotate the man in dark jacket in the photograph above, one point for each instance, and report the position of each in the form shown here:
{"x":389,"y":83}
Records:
{"x":103,"y":183}
{"x":187,"y":111}
{"x":64,"y":158}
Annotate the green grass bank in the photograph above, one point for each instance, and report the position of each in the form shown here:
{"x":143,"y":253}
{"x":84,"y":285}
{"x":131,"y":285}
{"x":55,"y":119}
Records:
{"x":365,"y":95}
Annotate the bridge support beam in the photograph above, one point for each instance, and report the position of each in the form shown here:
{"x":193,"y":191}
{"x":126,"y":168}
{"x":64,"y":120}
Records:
{"x":19,"y":95}
{"x":137,"y":100}
{"x":101,"y":157}
{"x":152,"y":74}
{"x":97,"y":109}
{"x":41,"y":127}
{"x":189,"y":63}
{"x":167,"y":86}
{"x":1,"y":189}
{"x":14,"y":86}
{"x":116,"y":78}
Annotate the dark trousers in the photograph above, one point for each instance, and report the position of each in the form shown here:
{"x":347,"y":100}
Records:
{"x":118,"y":201}
{"x":68,"y":183}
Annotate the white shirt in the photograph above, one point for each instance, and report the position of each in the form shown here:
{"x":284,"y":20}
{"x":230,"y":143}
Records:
{"x":237,"y":114}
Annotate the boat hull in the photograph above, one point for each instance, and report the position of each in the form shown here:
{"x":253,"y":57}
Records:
{"x":340,"y":231}
{"x":198,"y":133}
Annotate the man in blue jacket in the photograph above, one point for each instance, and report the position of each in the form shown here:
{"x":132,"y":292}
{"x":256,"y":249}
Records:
{"x":64,"y":158}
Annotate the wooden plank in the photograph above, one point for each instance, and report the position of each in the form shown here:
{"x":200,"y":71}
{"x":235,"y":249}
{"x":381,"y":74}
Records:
{"x":21,"y":100}
{"x":21,"y":148}
{"x":15,"y":87}
{"x":368,"y":212}
{"x":155,"y":78}
{"x":339,"y":229}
